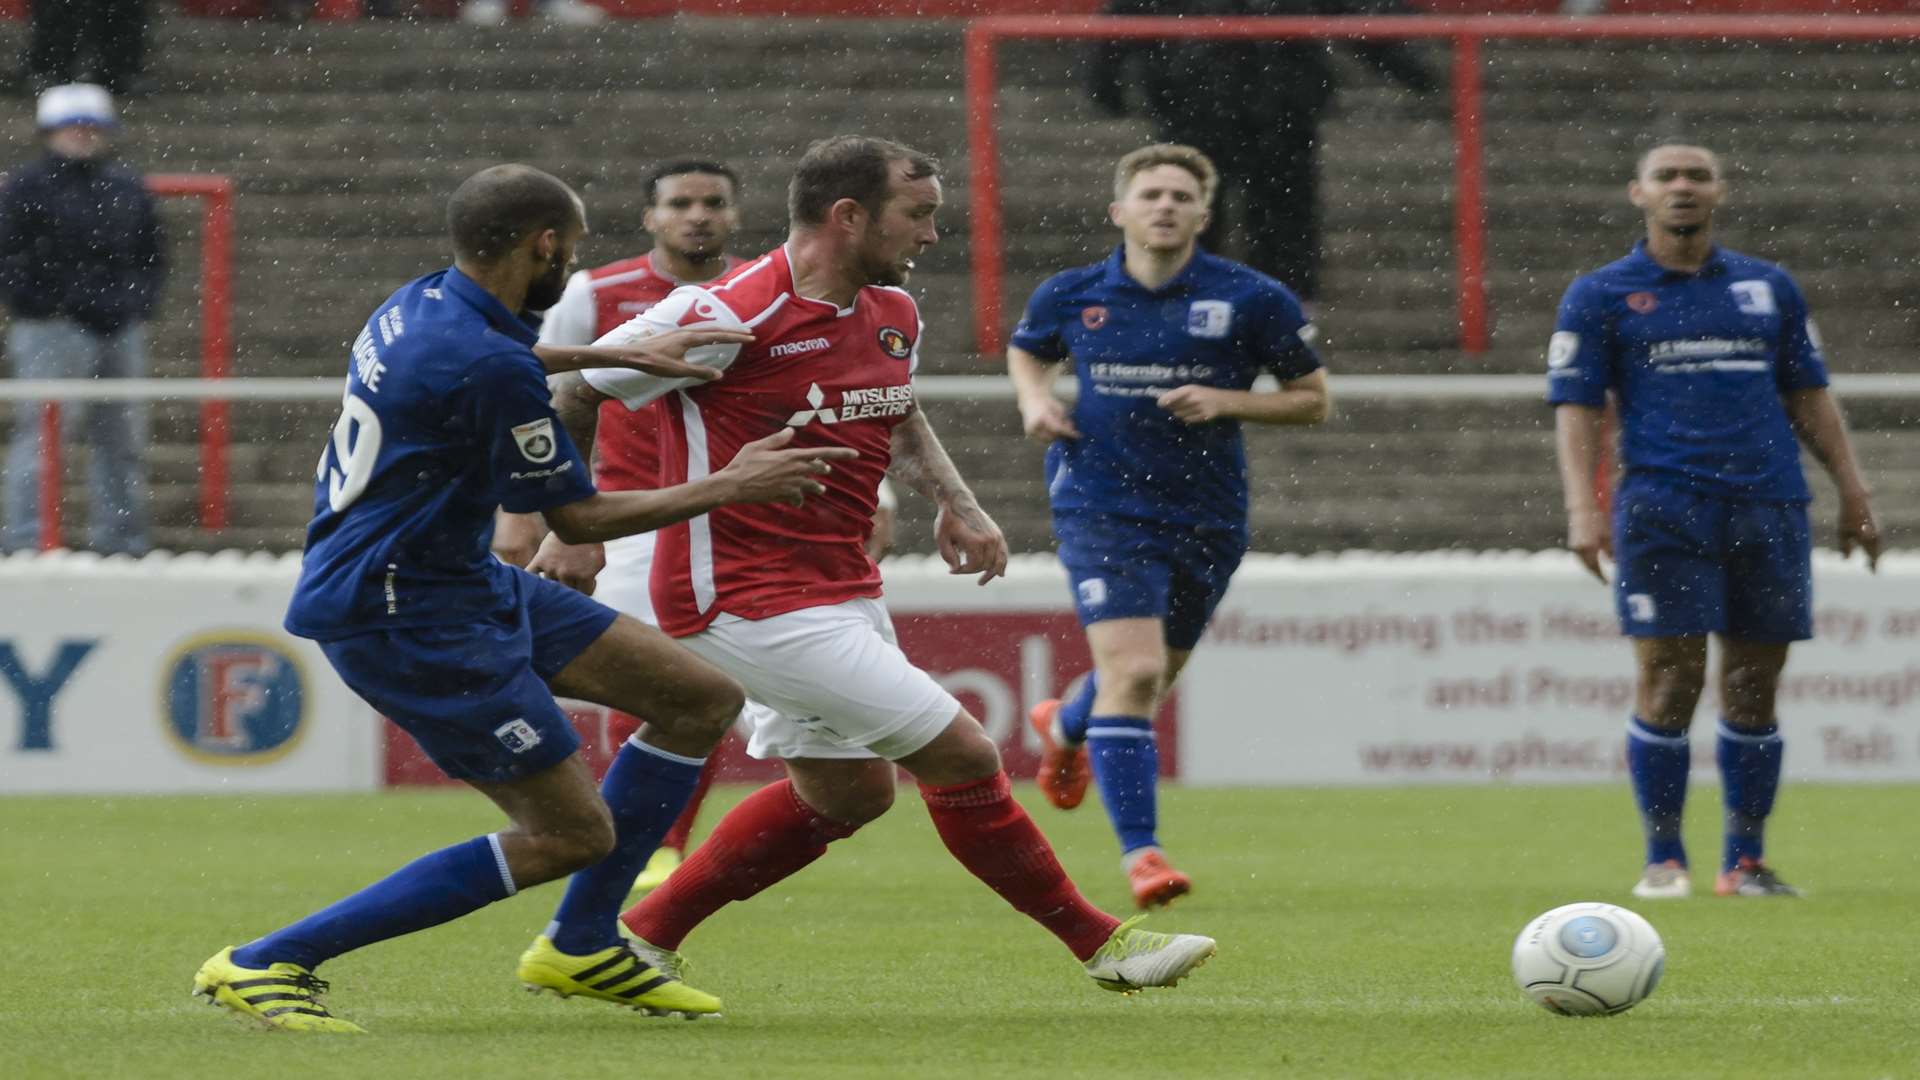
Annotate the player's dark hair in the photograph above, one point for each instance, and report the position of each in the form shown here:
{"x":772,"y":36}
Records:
{"x":687,"y":167}
{"x":499,"y":206}
{"x":856,"y":167}
{"x":1662,"y":142}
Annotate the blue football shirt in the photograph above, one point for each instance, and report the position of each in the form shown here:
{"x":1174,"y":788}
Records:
{"x":1699,"y":362}
{"x":1217,"y":323}
{"x":446,"y":417}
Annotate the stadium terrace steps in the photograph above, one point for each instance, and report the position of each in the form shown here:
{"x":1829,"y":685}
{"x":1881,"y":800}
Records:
{"x":344,"y":140}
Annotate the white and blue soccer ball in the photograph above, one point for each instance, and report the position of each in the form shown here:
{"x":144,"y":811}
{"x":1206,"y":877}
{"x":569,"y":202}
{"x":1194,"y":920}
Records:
{"x":1588,"y":959}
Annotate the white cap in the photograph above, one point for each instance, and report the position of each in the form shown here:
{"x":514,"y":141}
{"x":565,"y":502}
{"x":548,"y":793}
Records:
{"x":75,"y":103}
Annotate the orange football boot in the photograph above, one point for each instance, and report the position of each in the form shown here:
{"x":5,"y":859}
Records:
{"x":1064,"y":773}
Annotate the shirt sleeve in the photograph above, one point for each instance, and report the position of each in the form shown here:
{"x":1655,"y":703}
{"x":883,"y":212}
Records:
{"x":1801,"y":364}
{"x":533,"y":463}
{"x":1279,"y":333}
{"x":1580,"y":366}
{"x":687,"y":307}
{"x":1039,"y":331}
{"x":570,"y":321}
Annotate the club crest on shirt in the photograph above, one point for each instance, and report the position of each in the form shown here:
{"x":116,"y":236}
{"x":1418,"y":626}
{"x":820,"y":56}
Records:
{"x":1093,"y":316}
{"x":536,"y":441}
{"x":1642,"y":302}
{"x":1210,"y":318}
{"x":896,"y":344}
{"x":1753,"y":297}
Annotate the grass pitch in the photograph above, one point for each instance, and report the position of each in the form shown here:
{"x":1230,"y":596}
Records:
{"x":1362,"y":933}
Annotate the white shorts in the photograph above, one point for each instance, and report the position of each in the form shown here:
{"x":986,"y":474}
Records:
{"x":623,"y":585}
{"x":834,"y":682}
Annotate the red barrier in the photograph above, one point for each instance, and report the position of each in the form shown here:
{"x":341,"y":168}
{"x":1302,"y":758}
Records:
{"x":1465,"y":33}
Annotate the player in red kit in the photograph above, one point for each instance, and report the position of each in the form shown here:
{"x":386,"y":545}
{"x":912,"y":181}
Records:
{"x":692,"y":211}
{"x":787,"y":600}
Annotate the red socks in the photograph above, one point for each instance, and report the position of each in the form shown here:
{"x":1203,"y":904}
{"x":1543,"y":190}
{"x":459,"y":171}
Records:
{"x":676,"y":837}
{"x":993,"y":837}
{"x":770,"y":836}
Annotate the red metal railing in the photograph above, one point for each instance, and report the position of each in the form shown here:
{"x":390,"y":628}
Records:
{"x":216,"y":356}
{"x":1465,"y":33}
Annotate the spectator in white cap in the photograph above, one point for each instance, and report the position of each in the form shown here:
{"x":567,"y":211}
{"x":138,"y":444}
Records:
{"x":81,"y":263}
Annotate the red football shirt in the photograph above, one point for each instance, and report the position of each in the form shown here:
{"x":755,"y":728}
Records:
{"x":840,"y":377}
{"x":626,"y":450}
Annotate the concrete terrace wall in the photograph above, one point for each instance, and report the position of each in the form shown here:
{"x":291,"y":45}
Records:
{"x":345,"y":139}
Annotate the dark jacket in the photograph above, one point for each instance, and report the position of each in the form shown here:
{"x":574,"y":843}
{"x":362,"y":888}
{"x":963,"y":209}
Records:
{"x":1190,"y":82}
{"x":80,"y":240}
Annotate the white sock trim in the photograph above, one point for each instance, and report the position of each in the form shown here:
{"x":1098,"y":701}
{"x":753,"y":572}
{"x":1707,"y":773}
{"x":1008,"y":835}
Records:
{"x":1736,"y":735}
{"x":1647,"y":735}
{"x":500,"y":861}
{"x":634,"y":741}
{"x":1118,"y":733}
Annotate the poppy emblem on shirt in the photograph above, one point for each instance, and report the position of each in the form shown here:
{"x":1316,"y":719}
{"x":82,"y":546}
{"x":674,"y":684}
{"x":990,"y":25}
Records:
{"x":897,"y":345}
{"x":1093,"y":317}
{"x":1642,"y":302}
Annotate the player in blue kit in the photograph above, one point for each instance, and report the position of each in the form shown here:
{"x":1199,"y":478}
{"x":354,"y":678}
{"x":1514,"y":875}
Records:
{"x":1718,"y":374}
{"x":1148,"y":474}
{"x":444,"y":420}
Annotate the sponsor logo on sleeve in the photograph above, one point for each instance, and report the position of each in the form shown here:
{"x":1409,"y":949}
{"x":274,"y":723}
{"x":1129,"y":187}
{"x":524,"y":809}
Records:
{"x":536,"y":441}
{"x":1562,"y":347}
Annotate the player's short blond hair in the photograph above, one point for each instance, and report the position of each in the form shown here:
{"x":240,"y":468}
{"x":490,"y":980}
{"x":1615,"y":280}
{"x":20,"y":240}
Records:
{"x":1158,"y":154}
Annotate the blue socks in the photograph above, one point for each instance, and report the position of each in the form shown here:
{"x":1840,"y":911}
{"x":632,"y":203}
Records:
{"x":1658,"y":761}
{"x":1078,"y":709}
{"x":1750,"y":776}
{"x":1126,"y":765}
{"x":426,"y":892}
{"x":646,"y":788}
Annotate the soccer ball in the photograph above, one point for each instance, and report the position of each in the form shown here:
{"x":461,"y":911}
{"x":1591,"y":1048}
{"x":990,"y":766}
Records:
{"x":1588,"y":959}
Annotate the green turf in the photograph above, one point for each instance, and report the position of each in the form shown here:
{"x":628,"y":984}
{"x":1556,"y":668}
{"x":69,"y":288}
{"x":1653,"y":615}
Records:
{"x":1362,"y":933}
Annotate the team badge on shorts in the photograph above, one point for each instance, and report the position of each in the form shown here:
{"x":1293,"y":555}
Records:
{"x":1642,"y":302}
{"x":1093,"y":316}
{"x":897,"y":345}
{"x":536,"y":441}
{"x":517,"y":736}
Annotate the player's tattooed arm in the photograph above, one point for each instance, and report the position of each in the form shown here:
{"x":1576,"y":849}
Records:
{"x":968,"y":539}
{"x":577,"y":404}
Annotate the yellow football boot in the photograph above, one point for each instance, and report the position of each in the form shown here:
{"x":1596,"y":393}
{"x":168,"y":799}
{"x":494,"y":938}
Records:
{"x":283,"y":997}
{"x":617,"y":975}
{"x":660,"y":866}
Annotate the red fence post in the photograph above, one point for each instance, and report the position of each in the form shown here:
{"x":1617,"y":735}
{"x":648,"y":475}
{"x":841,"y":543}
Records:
{"x":989,"y":257}
{"x":1469,"y":201}
{"x":50,"y":476}
{"x":216,"y":325}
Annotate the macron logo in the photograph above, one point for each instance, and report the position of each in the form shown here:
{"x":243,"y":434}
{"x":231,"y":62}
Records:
{"x":805,"y":416}
{"x":795,"y":348}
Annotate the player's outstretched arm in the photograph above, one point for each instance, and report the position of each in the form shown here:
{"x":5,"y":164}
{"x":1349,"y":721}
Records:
{"x":763,"y":471}
{"x":1042,"y":415}
{"x":1298,"y":402}
{"x":662,"y":355}
{"x":968,"y":539}
{"x":1577,"y":445}
{"x":1819,"y":424}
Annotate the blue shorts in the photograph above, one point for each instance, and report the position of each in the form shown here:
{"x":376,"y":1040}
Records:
{"x":474,"y":695}
{"x":1125,"y":568}
{"x":1691,"y":563}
